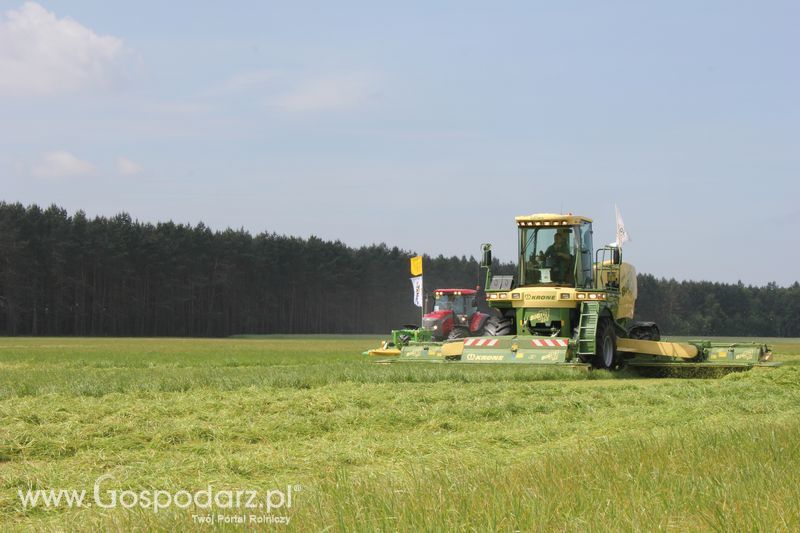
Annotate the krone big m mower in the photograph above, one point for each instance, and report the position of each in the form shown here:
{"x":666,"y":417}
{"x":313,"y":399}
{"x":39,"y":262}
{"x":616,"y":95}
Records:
{"x":571,"y":305}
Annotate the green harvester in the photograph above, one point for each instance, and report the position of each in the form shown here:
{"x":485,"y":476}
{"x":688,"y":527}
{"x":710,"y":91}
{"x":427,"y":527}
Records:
{"x":568,"y":304}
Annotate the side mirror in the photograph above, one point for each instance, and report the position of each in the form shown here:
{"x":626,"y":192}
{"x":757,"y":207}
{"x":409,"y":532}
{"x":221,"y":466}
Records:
{"x":486,"y":261}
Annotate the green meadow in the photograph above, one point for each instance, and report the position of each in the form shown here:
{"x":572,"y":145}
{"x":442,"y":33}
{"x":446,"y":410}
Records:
{"x":390,"y":447}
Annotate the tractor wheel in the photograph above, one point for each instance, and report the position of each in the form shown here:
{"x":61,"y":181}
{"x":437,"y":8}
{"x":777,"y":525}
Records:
{"x":496,"y":326}
{"x":646,"y":333}
{"x":458,"y":332}
{"x":605,"y":346}
{"x":655,"y":333}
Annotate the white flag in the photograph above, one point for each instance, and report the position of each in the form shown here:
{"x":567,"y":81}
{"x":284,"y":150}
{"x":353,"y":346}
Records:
{"x":416,"y":282}
{"x":622,"y":234}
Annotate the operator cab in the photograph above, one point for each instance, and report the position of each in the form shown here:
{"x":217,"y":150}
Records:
{"x":462,"y":302}
{"x":555,"y":251}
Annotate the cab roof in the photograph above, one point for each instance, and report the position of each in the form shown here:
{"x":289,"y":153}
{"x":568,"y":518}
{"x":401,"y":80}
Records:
{"x":465,"y":292}
{"x":550,"y":219}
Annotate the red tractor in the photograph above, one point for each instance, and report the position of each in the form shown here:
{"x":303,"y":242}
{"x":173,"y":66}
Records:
{"x":455,"y":315}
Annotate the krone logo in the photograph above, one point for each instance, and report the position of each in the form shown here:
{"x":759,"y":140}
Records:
{"x":476,"y":357}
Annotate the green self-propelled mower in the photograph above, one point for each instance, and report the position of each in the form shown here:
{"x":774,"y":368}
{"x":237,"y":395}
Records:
{"x":568,"y":304}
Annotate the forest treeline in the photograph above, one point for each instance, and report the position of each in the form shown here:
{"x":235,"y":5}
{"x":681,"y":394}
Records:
{"x":64,"y":274}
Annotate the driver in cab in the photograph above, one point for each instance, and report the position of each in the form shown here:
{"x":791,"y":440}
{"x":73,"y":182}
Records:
{"x":559,"y":258}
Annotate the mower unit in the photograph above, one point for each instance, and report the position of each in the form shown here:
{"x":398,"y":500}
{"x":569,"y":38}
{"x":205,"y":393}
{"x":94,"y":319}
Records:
{"x":570,"y":305}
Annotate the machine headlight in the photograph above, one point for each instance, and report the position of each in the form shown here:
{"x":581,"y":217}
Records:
{"x":581,"y":296}
{"x":515,"y":296}
{"x":565,"y":296}
{"x":503,"y":295}
{"x":435,"y":328}
{"x":593,"y":296}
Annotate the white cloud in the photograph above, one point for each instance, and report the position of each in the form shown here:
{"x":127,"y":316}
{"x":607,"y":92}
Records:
{"x":61,"y":164}
{"x":126,"y":167}
{"x":43,"y":54}
{"x":331,"y":93}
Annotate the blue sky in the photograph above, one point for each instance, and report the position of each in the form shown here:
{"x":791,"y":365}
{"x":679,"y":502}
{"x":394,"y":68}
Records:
{"x":424,"y":125}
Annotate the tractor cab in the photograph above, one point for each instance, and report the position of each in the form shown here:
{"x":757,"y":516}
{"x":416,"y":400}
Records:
{"x":455,"y":314}
{"x":461,"y":301}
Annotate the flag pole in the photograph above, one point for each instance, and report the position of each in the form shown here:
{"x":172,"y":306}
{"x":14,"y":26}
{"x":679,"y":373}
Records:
{"x":422,"y":309}
{"x":416,"y":271}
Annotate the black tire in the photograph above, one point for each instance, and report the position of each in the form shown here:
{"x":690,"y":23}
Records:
{"x":655,"y":333}
{"x":646,"y":333}
{"x":605,"y":346}
{"x":496,"y":326}
{"x":458,"y":332}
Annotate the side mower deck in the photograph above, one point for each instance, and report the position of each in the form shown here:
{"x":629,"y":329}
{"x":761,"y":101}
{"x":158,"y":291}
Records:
{"x":547,"y":351}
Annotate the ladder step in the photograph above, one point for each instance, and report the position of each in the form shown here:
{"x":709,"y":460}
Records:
{"x":587,"y":328}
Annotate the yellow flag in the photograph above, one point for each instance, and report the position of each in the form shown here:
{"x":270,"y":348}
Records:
{"x":416,"y":265}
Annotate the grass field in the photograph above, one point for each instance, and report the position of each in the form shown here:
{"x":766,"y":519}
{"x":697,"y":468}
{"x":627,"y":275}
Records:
{"x":401,"y":447}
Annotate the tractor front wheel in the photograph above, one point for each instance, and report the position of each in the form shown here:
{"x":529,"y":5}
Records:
{"x":605,"y":346}
{"x":458,"y":332}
